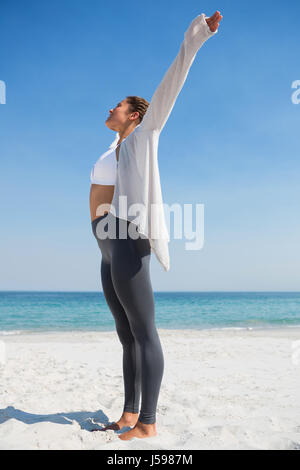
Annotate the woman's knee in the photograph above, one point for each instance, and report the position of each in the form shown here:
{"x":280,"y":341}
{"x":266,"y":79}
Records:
{"x":125,"y":335}
{"x":145,"y":334}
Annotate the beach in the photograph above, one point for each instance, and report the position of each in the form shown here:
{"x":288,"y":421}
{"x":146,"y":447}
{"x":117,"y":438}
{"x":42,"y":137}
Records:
{"x":221,"y":389}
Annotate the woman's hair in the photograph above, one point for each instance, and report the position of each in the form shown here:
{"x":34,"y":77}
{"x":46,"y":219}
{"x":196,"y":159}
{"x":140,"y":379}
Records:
{"x":136,"y":103}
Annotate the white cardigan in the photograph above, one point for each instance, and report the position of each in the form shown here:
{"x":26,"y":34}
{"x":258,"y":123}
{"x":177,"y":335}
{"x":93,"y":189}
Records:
{"x":137,"y":191}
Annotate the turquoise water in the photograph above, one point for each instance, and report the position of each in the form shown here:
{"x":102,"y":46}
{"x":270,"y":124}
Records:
{"x":88,"y":311}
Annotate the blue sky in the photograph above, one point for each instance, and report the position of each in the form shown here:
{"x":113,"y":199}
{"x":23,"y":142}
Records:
{"x":230,"y":143}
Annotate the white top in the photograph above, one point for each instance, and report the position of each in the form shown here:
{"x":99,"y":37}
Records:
{"x":137,"y":192}
{"x":105,"y":169}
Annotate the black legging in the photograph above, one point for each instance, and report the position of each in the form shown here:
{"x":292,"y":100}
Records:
{"x":128,"y":292}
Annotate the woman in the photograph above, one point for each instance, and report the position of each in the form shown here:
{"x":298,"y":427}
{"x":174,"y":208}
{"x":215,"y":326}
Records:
{"x":131,"y":172}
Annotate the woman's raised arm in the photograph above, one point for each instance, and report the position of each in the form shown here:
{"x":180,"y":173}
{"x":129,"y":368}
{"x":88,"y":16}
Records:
{"x":165,"y":95}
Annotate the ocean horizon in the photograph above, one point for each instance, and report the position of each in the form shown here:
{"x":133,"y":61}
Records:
{"x":54,"y":311}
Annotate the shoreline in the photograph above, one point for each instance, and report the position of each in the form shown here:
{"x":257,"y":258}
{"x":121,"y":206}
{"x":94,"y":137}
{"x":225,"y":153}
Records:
{"x":291,"y":329}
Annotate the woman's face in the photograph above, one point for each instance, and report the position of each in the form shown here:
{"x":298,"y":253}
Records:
{"x":118,"y":116}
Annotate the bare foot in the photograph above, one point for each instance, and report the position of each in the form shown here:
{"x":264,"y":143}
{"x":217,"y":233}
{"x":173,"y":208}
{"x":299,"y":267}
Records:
{"x":140,"y":430}
{"x":127,"y":420}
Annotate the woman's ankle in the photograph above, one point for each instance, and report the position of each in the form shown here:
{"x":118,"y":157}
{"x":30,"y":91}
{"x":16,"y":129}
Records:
{"x":146,"y":425}
{"x":129,"y":416}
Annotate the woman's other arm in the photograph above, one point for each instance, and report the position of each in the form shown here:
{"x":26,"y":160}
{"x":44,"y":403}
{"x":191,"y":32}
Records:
{"x":165,"y":95}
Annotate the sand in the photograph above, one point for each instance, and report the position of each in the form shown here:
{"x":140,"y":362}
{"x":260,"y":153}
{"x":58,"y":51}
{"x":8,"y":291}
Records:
{"x":221,"y":389}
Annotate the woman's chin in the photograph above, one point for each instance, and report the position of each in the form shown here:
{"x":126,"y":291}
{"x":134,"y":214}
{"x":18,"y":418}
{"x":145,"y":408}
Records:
{"x":109,"y":125}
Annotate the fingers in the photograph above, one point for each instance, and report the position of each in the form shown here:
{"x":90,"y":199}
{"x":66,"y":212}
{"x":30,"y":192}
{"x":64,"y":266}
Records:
{"x":214,"y":20}
{"x":216,"y":17}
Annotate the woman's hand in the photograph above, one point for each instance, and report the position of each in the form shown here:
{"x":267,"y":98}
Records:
{"x":213,"y":21}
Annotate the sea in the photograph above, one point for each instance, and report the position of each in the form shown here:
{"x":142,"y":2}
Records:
{"x":35,"y":312}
